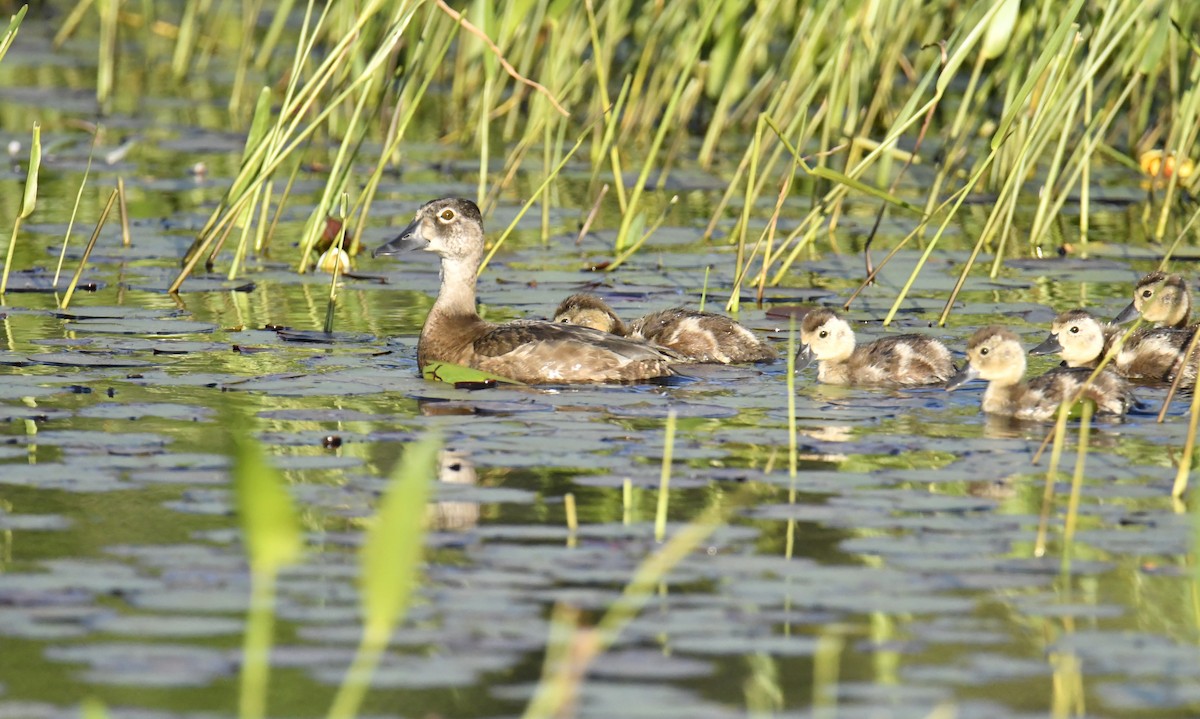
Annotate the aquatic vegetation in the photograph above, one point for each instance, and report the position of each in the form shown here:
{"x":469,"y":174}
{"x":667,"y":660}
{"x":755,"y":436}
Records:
{"x":975,"y":159}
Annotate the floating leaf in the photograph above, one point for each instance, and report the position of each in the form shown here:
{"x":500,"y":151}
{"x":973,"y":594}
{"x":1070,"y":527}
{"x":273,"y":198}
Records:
{"x":453,"y":374}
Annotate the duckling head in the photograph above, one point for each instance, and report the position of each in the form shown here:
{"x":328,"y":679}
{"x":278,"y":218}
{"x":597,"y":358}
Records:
{"x":824,"y":337}
{"x":1076,"y":335}
{"x":587,"y":311}
{"x":994,"y":354}
{"x":452,"y":227}
{"x":1160,"y":298}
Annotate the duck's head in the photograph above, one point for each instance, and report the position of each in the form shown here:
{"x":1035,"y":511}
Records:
{"x":1160,"y":298}
{"x":587,"y":311}
{"x":994,"y":354}
{"x":452,"y":227}
{"x":824,"y":337}
{"x":1076,"y":335}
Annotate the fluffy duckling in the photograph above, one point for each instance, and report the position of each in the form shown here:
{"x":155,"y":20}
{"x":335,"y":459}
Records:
{"x":697,"y":336}
{"x":896,"y":360}
{"x":527,"y":351}
{"x":1161,"y":299}
{"x":995,"y":354}
{"x":1150,"y":353}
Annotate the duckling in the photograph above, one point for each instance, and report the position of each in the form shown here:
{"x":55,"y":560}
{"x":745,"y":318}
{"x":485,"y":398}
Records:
{"x":1160,"y":298}
{"x":1150,"y":353}
{"x":525,"y":350}
{"x":897,"y":360}
{"x":995,"y":354}
{"x":697,"y":336}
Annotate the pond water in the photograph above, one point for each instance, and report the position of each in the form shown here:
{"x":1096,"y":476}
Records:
{"x":894,"y":576}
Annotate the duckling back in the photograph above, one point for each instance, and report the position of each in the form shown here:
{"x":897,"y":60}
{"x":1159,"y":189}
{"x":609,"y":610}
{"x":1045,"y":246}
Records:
{"x":702,"y":336}
{"x":904,"y":360}
{"x":1039,"y":399}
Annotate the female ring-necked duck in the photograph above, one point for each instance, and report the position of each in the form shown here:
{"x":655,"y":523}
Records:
{"x":527,"y":351}
{"x":909,"y":359}
{"x":995,"y":354}
{"x":1150,"y":353}
{"x":1161,"y":299}
{"x":697,"y":336}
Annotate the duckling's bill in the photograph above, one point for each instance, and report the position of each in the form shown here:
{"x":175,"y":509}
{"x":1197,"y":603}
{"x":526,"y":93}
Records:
{"x":409,"y":239}
{"x":963,"y":376}
{"x":804,"y":357}
{"x":1127,"y":314}
{"x":1049,"y":346}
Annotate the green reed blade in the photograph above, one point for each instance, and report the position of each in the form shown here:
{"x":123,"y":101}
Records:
{"x":28,"y":201}
{"x":87,"y":169}
{"x":87,"y":252}
{"x":664,"y":478}
{"x":389,"y":568}
{"x":10,"y":34}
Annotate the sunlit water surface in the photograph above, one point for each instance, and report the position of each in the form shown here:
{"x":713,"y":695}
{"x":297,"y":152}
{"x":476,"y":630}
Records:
{"x":893,"y":576}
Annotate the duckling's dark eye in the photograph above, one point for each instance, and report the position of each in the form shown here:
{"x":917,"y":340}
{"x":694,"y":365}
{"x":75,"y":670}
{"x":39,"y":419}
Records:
{"x":447,"y":215}
{"x":565,"y":321}
{"x":1147,"y":294}
{"x":983,"y":350}
{"x":822,"y":334}
{"x":1075,"y":330}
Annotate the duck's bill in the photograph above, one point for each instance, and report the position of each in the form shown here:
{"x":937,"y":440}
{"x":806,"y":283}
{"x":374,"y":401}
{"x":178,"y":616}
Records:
{"x":1126,"y":315}
{"x":408,"y":240}
{"x":804,"y":357}
{"x":964,"y":375}
{"x":1049,"y":346}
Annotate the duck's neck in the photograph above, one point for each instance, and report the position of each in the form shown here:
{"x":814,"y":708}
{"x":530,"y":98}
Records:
{"x":1183,"y":311}
{"x":456,"y":298}
{"x":1001,"y":396}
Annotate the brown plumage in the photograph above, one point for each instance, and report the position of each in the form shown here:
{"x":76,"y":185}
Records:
{"x":910,"y":359}
{"x":1161,"y":299}
{"x":527,"y":351}
{"x":995,"y":354}
{"x":698,"y":336}
{"x":1151,"y":353}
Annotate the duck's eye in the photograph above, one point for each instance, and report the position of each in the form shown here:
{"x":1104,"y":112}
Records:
{"x":1075,"y":330}
{"x":565,"y":320}
{"x":983,"y":350}
{"x":447,"y":215}
{"x":823,"y":334}
{"x":1147,"y":294}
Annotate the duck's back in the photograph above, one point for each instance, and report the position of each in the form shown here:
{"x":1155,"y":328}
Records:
{"x":1041,"y":397}
{"x":545,"y":352}
{"x":911,"y":360}
{"x":702,"y":336}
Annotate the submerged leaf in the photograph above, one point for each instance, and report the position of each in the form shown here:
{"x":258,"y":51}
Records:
{"x":391,"y":555}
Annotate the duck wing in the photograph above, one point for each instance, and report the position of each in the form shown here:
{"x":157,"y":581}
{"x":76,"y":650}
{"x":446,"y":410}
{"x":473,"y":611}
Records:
{"x":537,"y":352}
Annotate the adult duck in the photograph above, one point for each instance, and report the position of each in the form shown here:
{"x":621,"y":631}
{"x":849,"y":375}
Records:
{"x":698,"y":336}
{"x":905,"y":360}
{"x":996,"y":355}
{"x":528,"y":351}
